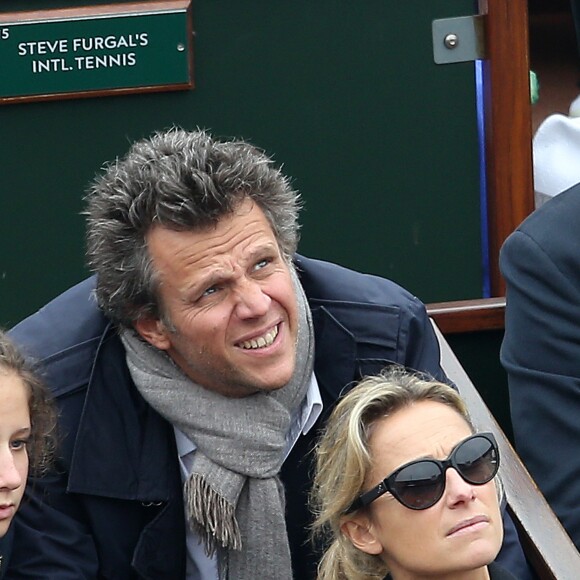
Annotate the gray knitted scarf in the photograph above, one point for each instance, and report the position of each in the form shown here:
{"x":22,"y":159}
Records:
{"x":233,"y":497}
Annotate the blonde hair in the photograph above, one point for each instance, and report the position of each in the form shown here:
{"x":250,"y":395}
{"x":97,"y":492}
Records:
{"x":343,"y":461}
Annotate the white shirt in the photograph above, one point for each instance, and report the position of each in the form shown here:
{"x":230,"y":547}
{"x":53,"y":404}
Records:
{"x":199,"y":565}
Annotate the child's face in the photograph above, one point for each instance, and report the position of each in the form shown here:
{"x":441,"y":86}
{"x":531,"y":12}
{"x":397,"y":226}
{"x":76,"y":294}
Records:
{"x":14,"y":435}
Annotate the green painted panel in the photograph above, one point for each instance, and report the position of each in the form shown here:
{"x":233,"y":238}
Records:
{"x":478,"y":353}
{"x":381,"y":142}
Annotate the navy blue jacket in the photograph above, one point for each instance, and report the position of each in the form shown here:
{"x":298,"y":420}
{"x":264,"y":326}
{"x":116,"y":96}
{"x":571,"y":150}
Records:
{"x":540,"y":262}
{"x":114,"y":508}
{"x":5,"y":550}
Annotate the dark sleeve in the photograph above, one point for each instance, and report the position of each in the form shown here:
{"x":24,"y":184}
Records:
{"x":511,"y":556}
{"x":420,"y":342}
{"x":6,"y":550}
{"x":541,"y":354}
{"x":51,"y":542}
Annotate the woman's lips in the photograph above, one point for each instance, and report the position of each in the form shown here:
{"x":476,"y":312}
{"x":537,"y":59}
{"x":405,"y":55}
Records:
{"x":470,"y":525}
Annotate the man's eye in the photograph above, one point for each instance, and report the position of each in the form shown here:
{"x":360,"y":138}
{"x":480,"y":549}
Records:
{"x":262,"y":263}
{"x":209,"y":291}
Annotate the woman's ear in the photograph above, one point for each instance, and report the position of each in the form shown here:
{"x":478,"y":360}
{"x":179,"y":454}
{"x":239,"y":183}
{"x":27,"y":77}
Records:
{"x":359,"y":531}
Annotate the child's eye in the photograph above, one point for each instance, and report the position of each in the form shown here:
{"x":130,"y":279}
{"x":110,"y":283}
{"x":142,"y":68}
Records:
{"x":19,"y":444}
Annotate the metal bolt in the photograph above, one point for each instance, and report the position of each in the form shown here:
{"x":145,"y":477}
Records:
{"x":451,"y":41}
{"x":180,"y":47}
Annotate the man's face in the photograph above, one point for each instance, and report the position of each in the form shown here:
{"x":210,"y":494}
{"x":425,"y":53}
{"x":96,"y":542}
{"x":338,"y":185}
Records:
{"x":228,"y":294}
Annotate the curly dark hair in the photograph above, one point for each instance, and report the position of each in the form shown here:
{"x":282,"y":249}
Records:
{"x":43,"y":417}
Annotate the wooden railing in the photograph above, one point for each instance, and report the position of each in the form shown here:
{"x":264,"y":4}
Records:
{"x":468,"y":315}
{"x":508,"y":125}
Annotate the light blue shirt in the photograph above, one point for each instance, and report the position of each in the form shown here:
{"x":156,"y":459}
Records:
{"x":199,"y":565}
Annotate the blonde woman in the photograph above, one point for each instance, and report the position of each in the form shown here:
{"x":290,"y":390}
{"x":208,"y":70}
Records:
{"x":405,"y":488}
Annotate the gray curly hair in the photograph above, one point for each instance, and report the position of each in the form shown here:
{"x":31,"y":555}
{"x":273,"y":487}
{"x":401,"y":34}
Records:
{"x":180,"y":180}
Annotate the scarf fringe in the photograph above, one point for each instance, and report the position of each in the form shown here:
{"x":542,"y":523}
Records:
{"x":211,"y":515}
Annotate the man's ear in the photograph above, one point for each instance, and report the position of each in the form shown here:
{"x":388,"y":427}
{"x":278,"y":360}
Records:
{"x":360,"y":532}
{"x":153,"y":331}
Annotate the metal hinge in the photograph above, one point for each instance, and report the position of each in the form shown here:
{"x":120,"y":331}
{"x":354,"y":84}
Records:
{"x":459,"y":39}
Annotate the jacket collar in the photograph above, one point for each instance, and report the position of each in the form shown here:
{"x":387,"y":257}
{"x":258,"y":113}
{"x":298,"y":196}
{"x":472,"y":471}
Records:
{"x":332,"y":372}
{"x":123,"y":449}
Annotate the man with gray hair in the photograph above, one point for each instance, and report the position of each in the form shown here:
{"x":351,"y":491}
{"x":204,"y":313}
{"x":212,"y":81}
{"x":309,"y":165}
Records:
{"x":192,"y":389}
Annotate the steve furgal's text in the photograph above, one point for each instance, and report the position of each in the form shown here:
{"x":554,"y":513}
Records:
{"x":81,"y":53}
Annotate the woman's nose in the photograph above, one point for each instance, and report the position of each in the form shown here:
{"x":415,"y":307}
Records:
{"x":457,"y":490}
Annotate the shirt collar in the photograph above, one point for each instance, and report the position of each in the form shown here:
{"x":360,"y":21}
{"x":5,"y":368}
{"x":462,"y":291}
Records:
{"x":313,"y":407}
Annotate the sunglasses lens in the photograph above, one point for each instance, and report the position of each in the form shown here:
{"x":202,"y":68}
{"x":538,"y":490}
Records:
{"x":477,"y":460}
{"x":419,"y":485}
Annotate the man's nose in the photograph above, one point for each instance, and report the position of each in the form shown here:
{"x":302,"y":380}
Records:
{"x":251,"y":300}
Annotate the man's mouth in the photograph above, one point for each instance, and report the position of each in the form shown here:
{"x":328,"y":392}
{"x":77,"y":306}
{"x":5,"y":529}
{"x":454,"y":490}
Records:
{"x":261,"y":341}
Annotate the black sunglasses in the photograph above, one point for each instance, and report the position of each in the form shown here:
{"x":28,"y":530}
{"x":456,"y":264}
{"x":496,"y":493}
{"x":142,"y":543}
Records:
{"x":420,"y":484}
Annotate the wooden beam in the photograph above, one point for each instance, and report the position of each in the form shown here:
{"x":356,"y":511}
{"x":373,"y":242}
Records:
{"x":468,"y":315}
{"x":508,"y":124}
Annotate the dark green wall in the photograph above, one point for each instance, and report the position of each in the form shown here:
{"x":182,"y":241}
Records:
{"x":381,"y":142}
{"x":478,"y":353}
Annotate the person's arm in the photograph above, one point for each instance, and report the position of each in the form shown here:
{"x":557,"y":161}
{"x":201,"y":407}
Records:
{"x":50,"y":542}
{"x":422,"y":347}
{"x":541,"y":354}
